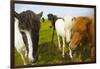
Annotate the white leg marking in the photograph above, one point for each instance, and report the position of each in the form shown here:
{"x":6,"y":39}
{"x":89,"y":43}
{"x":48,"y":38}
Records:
{"x":68,"y":35}
{"x":70,"y":53}
{"x":28,"y":35}
{"x":59,"y":42}
{"x":63,"y":50}
{"x":22,"y":56}
{"x":26,"y":53}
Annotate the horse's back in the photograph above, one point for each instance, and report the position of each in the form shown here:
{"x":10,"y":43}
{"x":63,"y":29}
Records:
{"x":59,"y":25}
{"x":68,"y":22}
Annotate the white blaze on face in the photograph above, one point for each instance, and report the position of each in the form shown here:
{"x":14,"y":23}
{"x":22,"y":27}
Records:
{"x":19,"y":43}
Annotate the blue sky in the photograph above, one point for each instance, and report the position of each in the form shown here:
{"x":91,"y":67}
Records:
{"x":57,"y":10}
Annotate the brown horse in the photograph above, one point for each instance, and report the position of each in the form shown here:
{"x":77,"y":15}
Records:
{"x":83,"y":29}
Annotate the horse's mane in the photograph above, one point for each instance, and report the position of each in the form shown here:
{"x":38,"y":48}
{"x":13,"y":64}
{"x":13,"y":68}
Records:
{"x":27,"y":17}
{"x":81,"y":23}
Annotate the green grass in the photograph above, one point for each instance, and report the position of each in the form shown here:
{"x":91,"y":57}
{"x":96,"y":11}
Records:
{"x":48,"y":52}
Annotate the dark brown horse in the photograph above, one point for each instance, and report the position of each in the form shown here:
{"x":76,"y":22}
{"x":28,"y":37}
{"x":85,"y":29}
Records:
{"x":27,"y":25}
{"x":53,"y":19}
{"x":83,"y":29}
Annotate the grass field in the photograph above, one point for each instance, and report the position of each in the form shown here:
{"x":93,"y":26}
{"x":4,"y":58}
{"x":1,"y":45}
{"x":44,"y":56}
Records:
{"x":48,"y":52}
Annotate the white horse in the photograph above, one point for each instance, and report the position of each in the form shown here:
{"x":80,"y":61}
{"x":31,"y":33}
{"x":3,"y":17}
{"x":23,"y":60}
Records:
{"x":63,"y":28}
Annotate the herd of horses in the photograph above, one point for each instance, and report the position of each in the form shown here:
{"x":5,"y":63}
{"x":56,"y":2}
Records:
{"x":73,"y":30}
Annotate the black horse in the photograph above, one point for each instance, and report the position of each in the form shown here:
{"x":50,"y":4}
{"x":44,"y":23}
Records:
{"x":29,"y":26}
{"x":52,"y":18}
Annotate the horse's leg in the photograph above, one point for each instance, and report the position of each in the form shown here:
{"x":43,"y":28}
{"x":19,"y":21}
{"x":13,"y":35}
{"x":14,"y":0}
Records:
{"x":53,"y":36}
{"x":30,"y":55}
{"x":26,"y":43}
{"x":63,"y":50}
{"x":26,"y":53}
{"x":92,"y":48}
{"x":91,"y":37}
{"x":80,"y":53}
{"x":93,"y":54}
{"x":59,"y":44}
{"x":22,"y":56}
{"x":35,"y":39}
{"x":70,"y":52}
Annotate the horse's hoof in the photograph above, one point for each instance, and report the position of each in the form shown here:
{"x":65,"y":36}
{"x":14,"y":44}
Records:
{"x":35,"y":59}
{"x":25,"y":64}
{"x":63,"y":55}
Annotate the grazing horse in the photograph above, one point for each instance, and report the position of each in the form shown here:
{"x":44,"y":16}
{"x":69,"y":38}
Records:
{"x":83,"y":29}
{"x":63,"y":28}
{"x":27,"y":25}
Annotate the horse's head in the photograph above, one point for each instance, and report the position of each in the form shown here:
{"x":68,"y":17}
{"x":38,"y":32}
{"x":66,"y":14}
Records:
{"x":27,"y":19}
{"x":68,"y":27}
{"x":29,"y":25}
{"x":83,"y":32}
{"x":79,"y":30}
{"x":52,"y":18}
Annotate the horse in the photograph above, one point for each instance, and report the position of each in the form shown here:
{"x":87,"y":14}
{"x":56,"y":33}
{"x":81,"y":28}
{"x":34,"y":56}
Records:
{"x":27,"y":26}
{"x":83,"y":31}
{"x":52,"y":18}
{"x":63,"y":28}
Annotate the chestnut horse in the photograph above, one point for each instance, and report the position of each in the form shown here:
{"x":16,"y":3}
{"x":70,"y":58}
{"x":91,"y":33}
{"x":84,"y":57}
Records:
{"x":83,"y":29}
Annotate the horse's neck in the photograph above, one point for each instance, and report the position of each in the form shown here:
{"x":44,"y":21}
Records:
{"x":55,"y":19}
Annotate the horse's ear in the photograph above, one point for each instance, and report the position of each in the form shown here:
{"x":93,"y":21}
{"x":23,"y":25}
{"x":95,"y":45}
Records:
{"x":16,"y":15}
{"x":50,"y":14}
{"x":74,"y":18}
{"x":40,"y":14}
